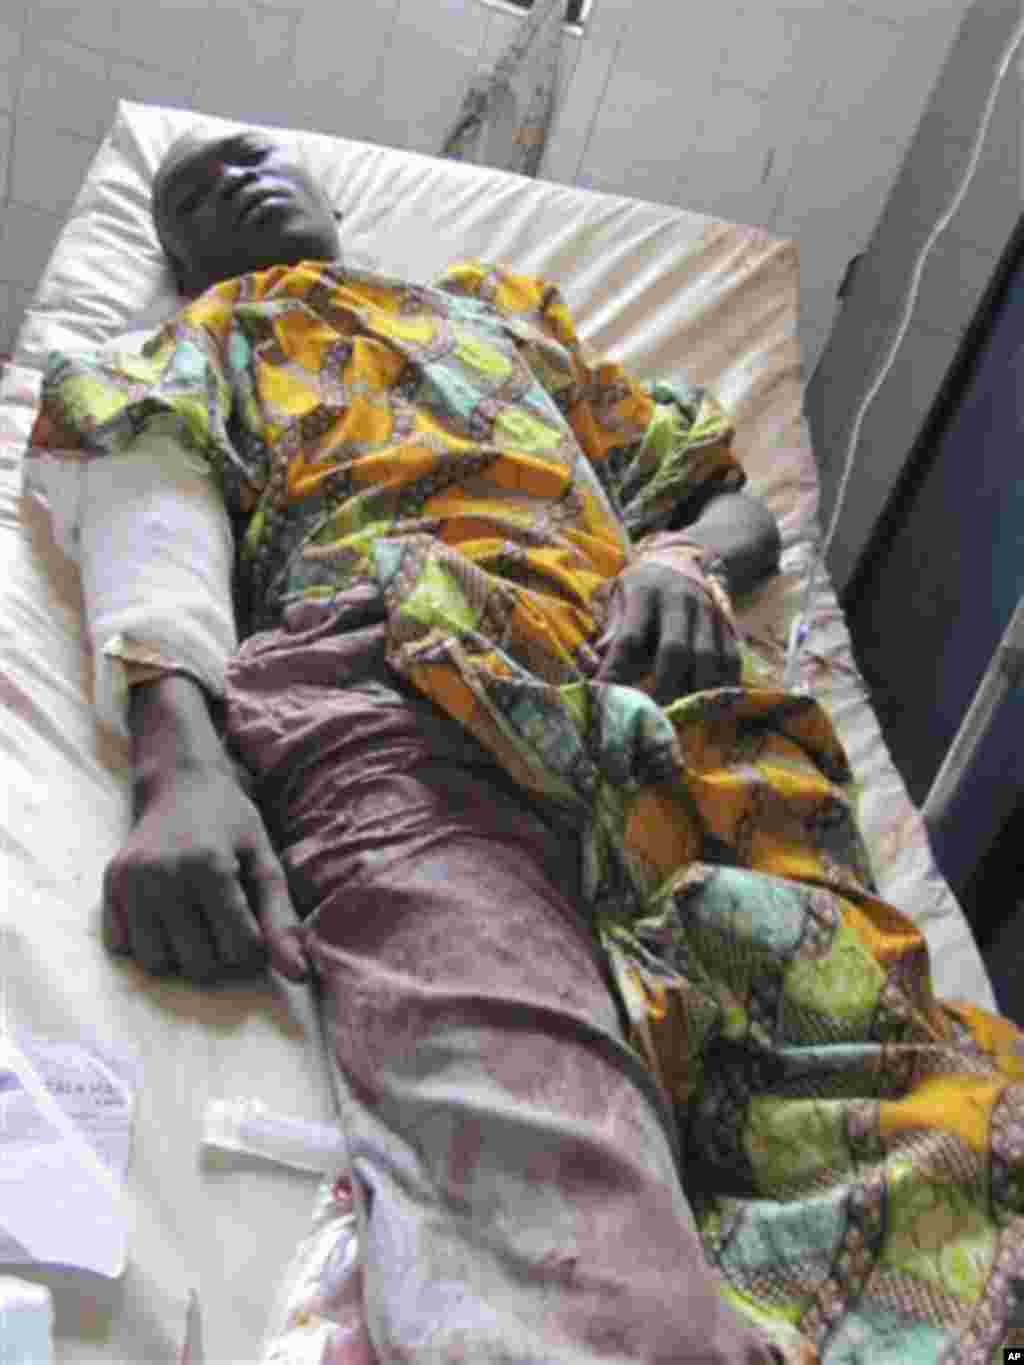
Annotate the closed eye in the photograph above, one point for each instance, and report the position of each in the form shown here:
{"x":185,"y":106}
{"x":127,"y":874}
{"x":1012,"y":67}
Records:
{"x":192,"y":200}
{"x":244,"y":150}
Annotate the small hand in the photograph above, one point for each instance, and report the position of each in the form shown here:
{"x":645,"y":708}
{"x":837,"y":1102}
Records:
{"x":665,"y":622}
{"x":197,"y":888}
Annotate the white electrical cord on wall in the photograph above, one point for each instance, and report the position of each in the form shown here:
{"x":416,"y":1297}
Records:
{"x":800,"y":627}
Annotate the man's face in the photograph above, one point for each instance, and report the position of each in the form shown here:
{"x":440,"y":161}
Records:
{"x":226,"y":207}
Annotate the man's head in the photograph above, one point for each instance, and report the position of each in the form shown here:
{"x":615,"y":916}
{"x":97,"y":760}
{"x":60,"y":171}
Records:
{"x":228,"y":205}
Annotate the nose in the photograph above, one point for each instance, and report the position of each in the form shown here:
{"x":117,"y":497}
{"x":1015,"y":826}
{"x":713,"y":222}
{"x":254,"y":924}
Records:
{"x":235,"y":178}
{"x":233,"y":173}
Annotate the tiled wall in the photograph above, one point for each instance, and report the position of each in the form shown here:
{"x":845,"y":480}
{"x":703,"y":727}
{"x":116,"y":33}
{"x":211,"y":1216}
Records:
{"x":790,"y":114}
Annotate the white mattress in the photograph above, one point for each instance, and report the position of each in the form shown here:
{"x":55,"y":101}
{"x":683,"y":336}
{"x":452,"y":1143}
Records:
{"x":661,"y":290}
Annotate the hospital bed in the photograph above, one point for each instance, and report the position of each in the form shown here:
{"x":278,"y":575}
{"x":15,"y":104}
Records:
{"x":666,"y":292}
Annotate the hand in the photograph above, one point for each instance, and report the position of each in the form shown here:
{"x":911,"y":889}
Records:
{"x":197,"y":888}
{"x":665,"y":622}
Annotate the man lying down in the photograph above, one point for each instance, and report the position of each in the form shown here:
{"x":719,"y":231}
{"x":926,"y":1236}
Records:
{"x":636,"y":1065}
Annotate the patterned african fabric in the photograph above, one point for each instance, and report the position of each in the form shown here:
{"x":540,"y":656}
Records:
{"x":855,"y":1149}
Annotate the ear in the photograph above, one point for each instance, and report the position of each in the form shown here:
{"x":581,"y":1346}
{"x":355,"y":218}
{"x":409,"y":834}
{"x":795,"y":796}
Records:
{"x":183,"y":280}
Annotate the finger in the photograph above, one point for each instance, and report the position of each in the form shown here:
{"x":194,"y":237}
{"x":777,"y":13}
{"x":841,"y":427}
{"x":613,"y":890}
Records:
{"x":629,"y":654}
{"x":116,"y":937}
{"x":707,"y":644}
{"x":729,"y":652}
{"x":150,"y":945}
{"x":675,"y":653}
{"x":190,"y":940}
{"x":265,"y":881}
{"x":229,"y":919}
{"x":164,"y":900}
{"x":612,"y":621}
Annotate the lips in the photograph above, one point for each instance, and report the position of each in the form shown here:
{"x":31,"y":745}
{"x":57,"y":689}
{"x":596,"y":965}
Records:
{"x":255,"y":201}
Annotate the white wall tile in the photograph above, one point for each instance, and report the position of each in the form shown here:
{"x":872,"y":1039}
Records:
{"x":878,"y":78}
{"x":457,"y":25}
{"x":10,"y":64}
{"x":181,"y":32}
{"x":775,"y":46}
{"x":93,"y":23}
{"x":234,"y":99}
{"x":250,"y":83}
{"x":65,"y":86}
{"x":203,"y":37}
{"x":27,"y":237}
{"x":6,"y":135}
{"x":642,"y":133}
{"x":424,"y":122}
{"x":836,"y":187}
{"x":818,"y":307}
{"x":278,"y":103}
{"x":818,"y":316}
{"x":949,"y":12}
{"x":47,"y":166}
{"x":261,"y":45}
{"x":672,"y":49}
{"x":331,"y":106}
{"x":735,"y":166}
{"x":329,"y":49}
{"x":7,"y":322}
{"x":133,"y":81}
{"x":822,"y":260}
{"x":812,"y":342}
{"x":577,"y":112}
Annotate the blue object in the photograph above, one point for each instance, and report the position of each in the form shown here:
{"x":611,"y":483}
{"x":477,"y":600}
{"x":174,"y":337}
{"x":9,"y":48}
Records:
{"x":26,"y":1323}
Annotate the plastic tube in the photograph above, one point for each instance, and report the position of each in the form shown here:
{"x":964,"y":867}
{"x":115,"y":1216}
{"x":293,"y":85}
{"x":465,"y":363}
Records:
{"x":246,"y":1125}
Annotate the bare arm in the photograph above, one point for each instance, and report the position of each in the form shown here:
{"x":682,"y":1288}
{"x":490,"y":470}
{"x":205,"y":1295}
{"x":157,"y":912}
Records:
{"x":171,"y":728}
{"x":197,"y":888}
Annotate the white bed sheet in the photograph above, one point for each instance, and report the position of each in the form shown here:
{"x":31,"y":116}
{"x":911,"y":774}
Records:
{"x":665,"y":292}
